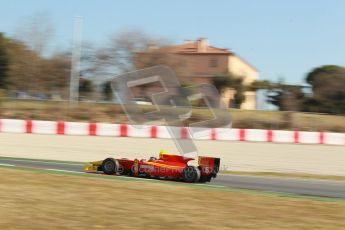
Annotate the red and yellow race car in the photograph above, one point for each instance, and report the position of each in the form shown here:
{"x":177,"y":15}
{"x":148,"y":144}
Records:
{"x":167,"y":166}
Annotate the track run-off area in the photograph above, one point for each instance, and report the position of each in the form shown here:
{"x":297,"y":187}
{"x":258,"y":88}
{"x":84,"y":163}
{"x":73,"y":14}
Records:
{"x":236,"y":156}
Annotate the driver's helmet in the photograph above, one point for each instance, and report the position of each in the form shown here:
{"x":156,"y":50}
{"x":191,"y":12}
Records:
{"x":161,"y":153}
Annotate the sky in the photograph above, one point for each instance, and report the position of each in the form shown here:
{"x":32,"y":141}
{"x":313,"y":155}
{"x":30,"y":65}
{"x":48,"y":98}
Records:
{"x":282,"y":39}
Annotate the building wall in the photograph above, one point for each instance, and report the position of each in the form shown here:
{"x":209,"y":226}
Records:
{"x":240,"y":68}
{"x":200,"y":64}
{"x":202,"y":71}
{"x":249,"y":100}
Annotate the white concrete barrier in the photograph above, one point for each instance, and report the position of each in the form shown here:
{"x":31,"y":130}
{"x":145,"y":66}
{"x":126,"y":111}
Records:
{"x":151,"y":131}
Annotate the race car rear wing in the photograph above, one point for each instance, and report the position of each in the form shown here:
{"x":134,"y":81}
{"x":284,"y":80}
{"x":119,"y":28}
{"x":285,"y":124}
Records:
{"x":209,"y":166}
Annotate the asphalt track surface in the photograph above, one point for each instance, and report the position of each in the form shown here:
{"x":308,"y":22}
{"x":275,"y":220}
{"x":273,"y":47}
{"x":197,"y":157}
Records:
{"x":236,"y":156}
{"x":307,"y":187}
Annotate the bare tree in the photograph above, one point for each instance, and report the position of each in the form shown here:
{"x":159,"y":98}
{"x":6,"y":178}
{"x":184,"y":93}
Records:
{"x":21,"y":70}
{"x":135,"y":49}
{"x":162,"y":56}
{"x":119,"y":55}
{"x":36,"y":32}
{"x":55,"y":75}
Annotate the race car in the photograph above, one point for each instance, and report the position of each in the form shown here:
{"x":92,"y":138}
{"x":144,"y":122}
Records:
{"x":167,"y":166}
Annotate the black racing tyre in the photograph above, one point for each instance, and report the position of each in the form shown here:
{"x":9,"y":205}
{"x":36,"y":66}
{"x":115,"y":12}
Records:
{"x":205,"y":179}
{"x":110,"y":166}
{"x":191,"y":174}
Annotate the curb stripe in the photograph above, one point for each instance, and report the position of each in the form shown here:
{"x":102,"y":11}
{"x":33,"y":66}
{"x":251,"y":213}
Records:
{"x":28,"y":126}
{"x":321,"y":138}
{"x":269,"y":135}
{"x":60,"y":128}
{"x":242,"y":134}
{"x":184,"y":133}
{"x":123,"y":130}
{"x":153,"y":132}
{"x":296,"y":137}
{"x":213,"y":134}
{"x":92,"y":129}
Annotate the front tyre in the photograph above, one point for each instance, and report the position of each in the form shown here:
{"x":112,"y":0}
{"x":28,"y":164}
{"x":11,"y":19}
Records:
{"x":110,"y":166}
{"x":191,"y":174}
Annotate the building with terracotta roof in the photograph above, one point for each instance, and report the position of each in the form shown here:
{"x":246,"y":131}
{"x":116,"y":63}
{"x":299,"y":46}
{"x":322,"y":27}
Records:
{"x":199,"y":62}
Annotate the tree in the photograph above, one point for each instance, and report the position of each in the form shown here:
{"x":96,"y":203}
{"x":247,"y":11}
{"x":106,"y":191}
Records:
{"x":162,"y":56}
{"x":229,"y":81}
{"x":257,"y":85}
{"x":31,"y":43}
{"x":119,"y":54}
{"x":53,"y":75}
{"x":36,"y":32}
{"x":328,"y":86}
{"x":4,"y":62}
{"x":21,"y":69}
{"x":107,"y":91}
{"x":85,"y":88}
{"x":56,"y":75}
{"x":327,"y":81}
{"x":133,"y":50}
{"x":286,"y":97}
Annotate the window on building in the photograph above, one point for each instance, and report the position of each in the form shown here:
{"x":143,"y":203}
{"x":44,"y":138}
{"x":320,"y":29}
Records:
{"x":213,"y":62}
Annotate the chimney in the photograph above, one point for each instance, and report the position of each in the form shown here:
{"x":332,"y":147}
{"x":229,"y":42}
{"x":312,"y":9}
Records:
{"x":202,"y":44}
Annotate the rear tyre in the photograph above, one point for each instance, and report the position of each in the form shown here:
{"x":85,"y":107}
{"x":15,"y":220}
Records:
{"x":191,"y":174}
{"x":205,"y":179}
{"x":110,"y":166}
